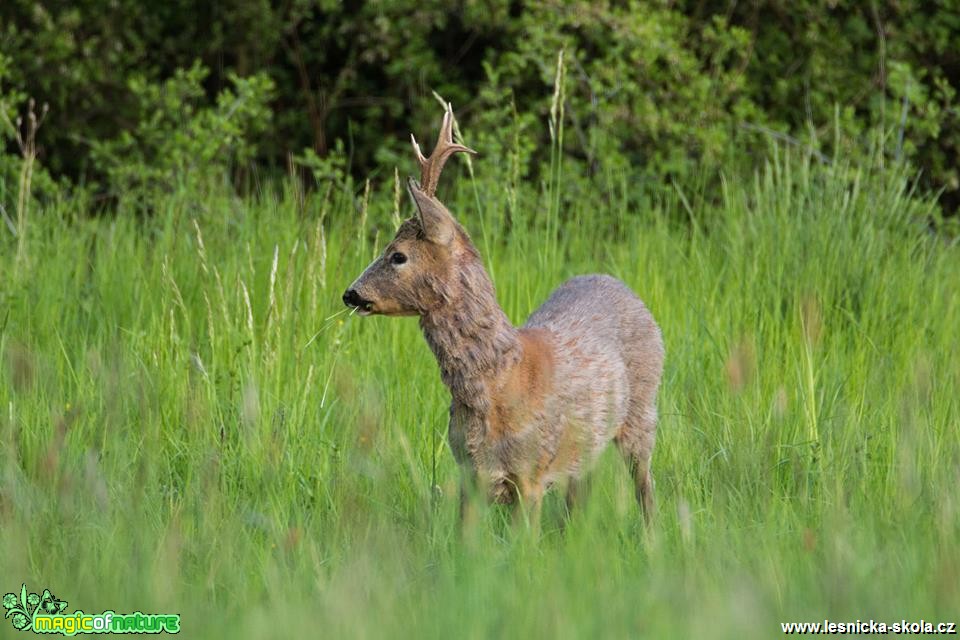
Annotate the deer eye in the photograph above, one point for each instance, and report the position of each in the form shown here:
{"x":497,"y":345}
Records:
{"x":397,"y":258}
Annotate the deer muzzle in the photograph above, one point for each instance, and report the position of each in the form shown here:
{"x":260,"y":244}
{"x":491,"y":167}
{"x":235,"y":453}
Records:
{"x":354,"y":300}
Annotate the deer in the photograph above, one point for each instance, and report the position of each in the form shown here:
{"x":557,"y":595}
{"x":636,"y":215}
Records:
{"x":531,"y":406}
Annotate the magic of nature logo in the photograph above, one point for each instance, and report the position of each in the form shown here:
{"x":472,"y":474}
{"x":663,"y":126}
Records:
{"x":44,"y":613}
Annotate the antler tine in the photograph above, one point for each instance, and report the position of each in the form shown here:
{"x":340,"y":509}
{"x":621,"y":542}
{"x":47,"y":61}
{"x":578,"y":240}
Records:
{"x":416,"y":149}
{"x":431,"y":167}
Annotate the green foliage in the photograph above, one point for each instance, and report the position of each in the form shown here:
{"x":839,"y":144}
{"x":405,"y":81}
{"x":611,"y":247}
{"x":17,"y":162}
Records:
{"x":663,"y":88}
{"x":637,"y":86}
{"x":181,"y":141}
{"x":10,"y":164}
{"x":16,"y":110}
{"x":832,"y":71}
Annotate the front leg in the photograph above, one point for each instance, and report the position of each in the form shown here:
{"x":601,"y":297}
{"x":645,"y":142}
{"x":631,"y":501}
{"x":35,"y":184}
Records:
{"x":469,"y":486}
{"x":469,"y":497}
{"x":527,"y":511}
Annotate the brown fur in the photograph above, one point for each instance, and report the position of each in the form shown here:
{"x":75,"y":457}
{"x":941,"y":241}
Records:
{"x":522,"y":391}
{"x":534,"y":405}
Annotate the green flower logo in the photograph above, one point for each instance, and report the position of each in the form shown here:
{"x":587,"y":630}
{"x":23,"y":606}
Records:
{"x":20,"y":621}
{"x":24,"y":608}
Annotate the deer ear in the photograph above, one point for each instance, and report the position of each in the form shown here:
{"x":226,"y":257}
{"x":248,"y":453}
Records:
{"x":437,"y":223}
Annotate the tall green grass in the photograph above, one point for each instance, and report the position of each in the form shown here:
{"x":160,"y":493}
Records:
{"x":190,"y":423}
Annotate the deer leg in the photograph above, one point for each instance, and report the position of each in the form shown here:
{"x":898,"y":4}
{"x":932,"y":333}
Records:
{"x":468,"y":497}
{"x":528,"y":507}
{"x":643,"y":485}
{"x":635,"y":442}
{"x":578,"y":490}
{"x":531,"y":509}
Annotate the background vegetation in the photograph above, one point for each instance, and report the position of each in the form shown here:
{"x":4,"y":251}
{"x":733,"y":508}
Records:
{"x":191,"y":422}
{"x":666,"y":88}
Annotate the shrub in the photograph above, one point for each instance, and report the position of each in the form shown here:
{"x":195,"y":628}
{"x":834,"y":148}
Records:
{"x":658,"y":87}
{"x":180,"y":139}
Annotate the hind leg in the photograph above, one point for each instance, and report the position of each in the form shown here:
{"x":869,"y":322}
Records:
{"x":578,"y":490}
{"x":635,"y":442}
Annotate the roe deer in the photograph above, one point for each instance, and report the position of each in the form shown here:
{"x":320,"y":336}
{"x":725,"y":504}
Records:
{"x":530,"y":405}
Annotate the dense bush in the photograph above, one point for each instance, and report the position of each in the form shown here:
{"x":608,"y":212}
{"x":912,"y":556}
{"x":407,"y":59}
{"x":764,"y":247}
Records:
{"x":666,"y":87}
{"x":177,"y":139}
{"x":823,"y":67}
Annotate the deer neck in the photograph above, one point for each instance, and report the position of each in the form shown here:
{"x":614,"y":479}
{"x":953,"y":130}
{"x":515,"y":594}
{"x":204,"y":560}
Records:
{"x":471,"y":337}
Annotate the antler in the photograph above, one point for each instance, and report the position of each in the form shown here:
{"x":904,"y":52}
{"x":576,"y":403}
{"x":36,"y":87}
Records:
{"x":431,"y":167}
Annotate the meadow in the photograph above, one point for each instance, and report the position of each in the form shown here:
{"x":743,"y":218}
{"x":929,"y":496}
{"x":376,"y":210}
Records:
{"x":190,"y":422}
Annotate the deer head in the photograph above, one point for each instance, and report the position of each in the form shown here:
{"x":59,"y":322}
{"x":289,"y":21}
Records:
{"x":415,"y":272}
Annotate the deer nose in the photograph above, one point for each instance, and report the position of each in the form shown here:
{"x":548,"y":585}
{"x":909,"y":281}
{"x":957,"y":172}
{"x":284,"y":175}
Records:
{"x":351,"y":298}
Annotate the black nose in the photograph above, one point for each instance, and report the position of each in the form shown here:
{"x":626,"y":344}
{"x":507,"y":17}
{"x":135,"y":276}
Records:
{"x":351,"y":298}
